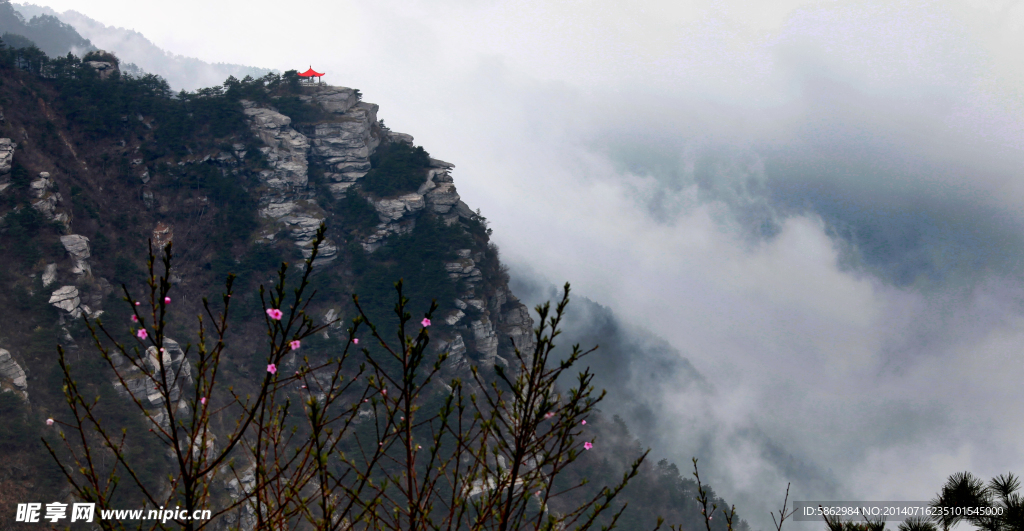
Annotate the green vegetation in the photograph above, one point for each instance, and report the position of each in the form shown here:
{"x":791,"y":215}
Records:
{"x":26,"y":236}
{"x":396,"y":168}
{"x":356,"y":211}
{"x":419,"y":258}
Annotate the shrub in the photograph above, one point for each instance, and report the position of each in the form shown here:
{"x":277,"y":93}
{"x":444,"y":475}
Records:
{"x":101,"y":55}
{"x":481,"y":455}
{"x":396,"y":168}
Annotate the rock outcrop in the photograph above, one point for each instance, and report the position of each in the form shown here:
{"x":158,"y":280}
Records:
{"x":398,"y":214}
{"x":287,"y":200}
{"x":6,"y":157}
{"x":66,"y":298}
{"x":244,"y":517}
{"x":103,"y":68}
{"x":345,"y":144}
{"x":78,"y":247}
{"x":144,"y":388}
{"x":47,"y":200}
{"x":12,"y":376}
{"x":488,"y":316}
{"x":49,"y":275}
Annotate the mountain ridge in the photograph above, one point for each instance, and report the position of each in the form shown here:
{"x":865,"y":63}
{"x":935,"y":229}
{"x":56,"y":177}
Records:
{"x":181,"y":72}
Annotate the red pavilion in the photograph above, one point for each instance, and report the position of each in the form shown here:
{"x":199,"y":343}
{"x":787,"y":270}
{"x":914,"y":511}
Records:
{"x":310,"y":74}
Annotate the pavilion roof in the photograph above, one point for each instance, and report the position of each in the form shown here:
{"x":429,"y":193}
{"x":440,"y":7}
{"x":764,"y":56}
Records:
{"x":310,"y":73}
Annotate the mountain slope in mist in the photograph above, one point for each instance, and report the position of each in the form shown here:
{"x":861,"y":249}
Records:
{"x":182,"y":73}
{"x":52,"y":36}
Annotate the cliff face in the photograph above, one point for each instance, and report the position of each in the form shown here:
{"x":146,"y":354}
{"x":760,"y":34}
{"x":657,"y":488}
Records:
{"x":92,"y":172}
{"x":290,"y":204}
{"x":343,"y":143}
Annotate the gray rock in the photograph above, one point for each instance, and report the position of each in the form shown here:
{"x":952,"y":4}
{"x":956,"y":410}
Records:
{"x":517,"y":324}
{"x":77,"y":246}
{"x":103,"y":68}
{"x":364,"y":111}
{"x":345,"y":145}
{"x":47,"y":200}
{"x":328,"y":253}
{"x":437,"y":163}
{"x":376,"y":240}
{"x":463,"y":269}
{"x":302,"y":227}
{"x":335,"y":99}
{"x":49,"y":274}
{"x":394,"y":209}
{"x":400,"y":137}
{"x":456,"y":349}
{"x":6,"y":155}
{"x":278,"y":210}
{"x":338,"y":190}
{"x":66,"y":298}
{"x":486,"y":339}
{"x":464,"y":211}
{"x":42,"y":185}
{"x":454,"y":317}
{"x":347,"y":177}
{"x":145,"y":388}
{"x":285,"y":149}
{"x":10,"y":370}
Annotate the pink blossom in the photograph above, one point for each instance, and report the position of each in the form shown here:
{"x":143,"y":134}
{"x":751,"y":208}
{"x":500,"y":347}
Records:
{"x":383,"y":392}
{"x":366,"y":400}
{"x":135,"y":318}
{"x":295,"y":344}
{"x":303,"y":386}
{"x":584,"y":423}
{"x":142,"y":333}
{"x":274,"y":314}
{"x":425,"y":322}
{"x":549,"y":414}
{"x":272,"y":369}
{"x":167,"y":300}
{"x":587,"y":445}
{"x":202,"y":400}
{"x":355,"y":341}
{"x":137,"y":303}
{"x":49,"y":422}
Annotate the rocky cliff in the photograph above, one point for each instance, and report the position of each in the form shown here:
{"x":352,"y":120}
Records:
{"x":477,"y":323}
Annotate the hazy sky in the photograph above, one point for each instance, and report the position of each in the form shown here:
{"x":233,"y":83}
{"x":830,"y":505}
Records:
{"x":819,"y":203}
